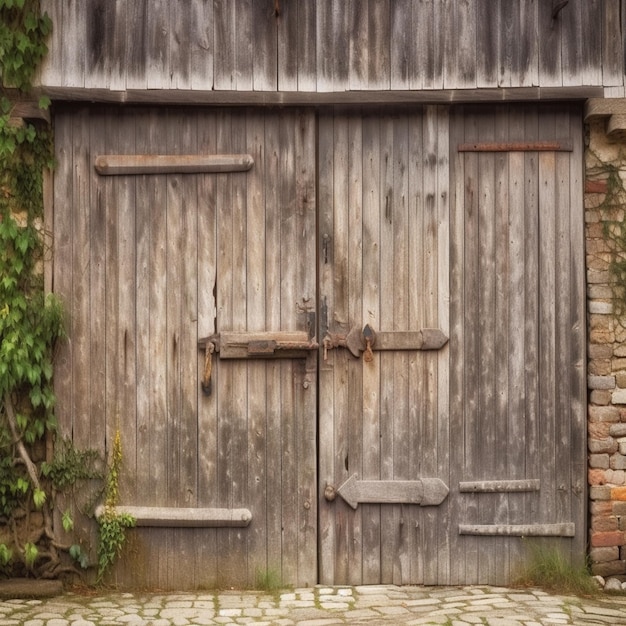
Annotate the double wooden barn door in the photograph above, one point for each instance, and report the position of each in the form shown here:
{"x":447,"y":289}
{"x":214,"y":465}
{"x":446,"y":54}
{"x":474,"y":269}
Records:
{"x":338,"y":347}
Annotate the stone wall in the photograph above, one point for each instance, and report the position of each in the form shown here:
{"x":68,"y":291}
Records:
{"x":605,"y":201}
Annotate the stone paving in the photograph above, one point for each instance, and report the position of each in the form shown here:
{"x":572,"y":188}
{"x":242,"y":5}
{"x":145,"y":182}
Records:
{"x":320,"y":606}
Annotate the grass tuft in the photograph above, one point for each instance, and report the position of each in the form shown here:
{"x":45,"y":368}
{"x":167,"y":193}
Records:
{"x":548,"y":568}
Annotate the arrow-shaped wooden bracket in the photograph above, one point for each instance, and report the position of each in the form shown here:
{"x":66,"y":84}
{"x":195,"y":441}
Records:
{"x":425,"y":491}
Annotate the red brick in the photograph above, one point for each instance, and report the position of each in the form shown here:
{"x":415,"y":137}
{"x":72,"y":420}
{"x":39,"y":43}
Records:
{"x":605,"y":539}
{"x":595,"y":186}
{"x":618,"y":493}
{"x":596,"y":477}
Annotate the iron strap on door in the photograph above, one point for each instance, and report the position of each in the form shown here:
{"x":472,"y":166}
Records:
{"x":261,"y":345}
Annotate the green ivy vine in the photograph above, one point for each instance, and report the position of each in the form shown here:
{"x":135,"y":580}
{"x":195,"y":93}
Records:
{"x":30,"y":322}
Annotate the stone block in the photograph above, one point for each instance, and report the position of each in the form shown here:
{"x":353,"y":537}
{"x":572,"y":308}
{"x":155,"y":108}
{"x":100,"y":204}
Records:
{"x":601,"y":492}
{"x":605,"y":523}
{"x":602,"y":555}
{"x":618,"y":462}
{"x":600,"y":367}
{"x":620,"y":350}
{"x":600,"y":397}
{"x":603,"y":414}
{"x":599,"y":292}
{"x":618,"y":364}
{"x":617,"y":430}
{"x":609,"y":568}
{"x":618,"y":396}
{"x":600,"y":308}
{"x":605,"y":539}
{"x":599,"y":461}
{"x":601,"y":382}
{"x":600,"y":351}
{"x":596,"y":477}
{"x":592,"y":216}
{"x":615,"y":477}
{"x":618,"y":508}
{"x":621,"y":447}
{"x":595,"y":277}
{"x":602,"y":446}
{"x":598,"y":430}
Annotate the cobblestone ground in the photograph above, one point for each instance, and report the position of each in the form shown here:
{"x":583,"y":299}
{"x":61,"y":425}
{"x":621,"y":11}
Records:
{"x":321,"y":606}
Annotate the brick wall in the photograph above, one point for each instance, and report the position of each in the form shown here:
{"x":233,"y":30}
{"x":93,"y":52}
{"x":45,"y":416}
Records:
{"x":605,"y":163}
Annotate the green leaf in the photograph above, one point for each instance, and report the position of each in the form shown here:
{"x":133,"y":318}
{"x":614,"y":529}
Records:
{"x":39,"y":498}
{"x":68,"y":522}
{"x":30,"y":554}
{"x":6,"y":554}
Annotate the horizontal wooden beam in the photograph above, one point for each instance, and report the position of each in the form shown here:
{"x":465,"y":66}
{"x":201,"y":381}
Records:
{"x":561,"y":145}
{"x":519,"y":530}
{"x":499,"y":486}
{"x":174,"y":517}
{"x":120,"y":164}
{"x":306,"y":98}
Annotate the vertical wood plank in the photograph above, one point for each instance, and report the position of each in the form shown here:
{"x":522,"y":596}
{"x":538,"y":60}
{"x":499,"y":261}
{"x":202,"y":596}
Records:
{"x":224,"y":38}
{"x":457,"y":342}
{"x":550,"y":33}
{"x":264,"y":30}
{"x":326,"y":413}
{"x":273,"y":320}
{"x":307,"y":45}
{"x":179,"y":45}
{"x":305,"y":168}
{"x":257,"y":379}
{"x":402,"y":44}
{"x":612,"y":45}
{"x":358,"y":19}
{"x":206,"y":547}
{"x":430,"y":428}
{"x":416,"y":302}
{"x":485,"y":417}
{"x":489,"y":43}
{"x":157,"y":45}
{"x":201,"y":44}
{"x":531,"y":339}
{"x":389,"y":538}
{"x":340,"y":315}
{"x":472,"y":445}
{"x":516,"y":423}
{"x":528,"y":44}
{"x":442,"y":298}
{"x":371,"y":312}
{"x":289,"y":244}
{"x":379,"y":61}
{"x":401,"y":272}
{"x":132,"y":68}
{"x":354,"y":241}
{"x":428,"y":53}
{"x":502,"y":443}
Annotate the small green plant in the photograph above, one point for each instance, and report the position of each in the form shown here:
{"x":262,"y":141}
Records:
{"x":548,"y":568}
{"x":268,"y":580}
{"x":112,"y":525}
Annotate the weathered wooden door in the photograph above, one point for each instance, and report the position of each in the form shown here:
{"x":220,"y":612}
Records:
{"x":384,"y":227}
{"x":451,"y":243}
{"x":435,"y":256}
{"x":158,"y":260}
